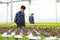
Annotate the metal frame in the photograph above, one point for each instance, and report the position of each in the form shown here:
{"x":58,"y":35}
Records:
{"x":12,"y":7}
{"x":56,"y":10}
{"x":57,"y":1}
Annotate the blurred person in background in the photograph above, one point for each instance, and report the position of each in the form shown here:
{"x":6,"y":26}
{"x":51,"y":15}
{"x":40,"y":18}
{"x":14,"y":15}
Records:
{"x":31,"y":18}
{"x":20,"y":17}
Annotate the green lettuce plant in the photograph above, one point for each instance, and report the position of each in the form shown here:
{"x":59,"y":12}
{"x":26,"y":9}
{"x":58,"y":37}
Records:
{"x":11,"y":38}
{"x":42,"y":37}
{"x":25,"y":38}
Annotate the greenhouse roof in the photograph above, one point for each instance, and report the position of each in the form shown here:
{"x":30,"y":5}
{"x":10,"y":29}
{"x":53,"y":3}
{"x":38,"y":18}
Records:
{"x":9,"y":1}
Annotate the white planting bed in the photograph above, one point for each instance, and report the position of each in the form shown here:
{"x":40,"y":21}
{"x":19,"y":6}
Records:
{"x":29,"y":36}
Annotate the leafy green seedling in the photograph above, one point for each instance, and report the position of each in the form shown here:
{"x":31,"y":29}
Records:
{"x":42,"y":37}
{"x":1,"y":37}
{"x":11,"y":38}
{"x":56,"y":39}
{"x":25,"y":38}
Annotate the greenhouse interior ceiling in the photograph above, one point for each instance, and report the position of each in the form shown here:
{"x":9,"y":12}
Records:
{"x":29,"y":19}
{"x":40,"y":8}
{"x":9,"y":1}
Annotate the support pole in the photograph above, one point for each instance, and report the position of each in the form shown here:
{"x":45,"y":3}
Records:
{"x":56,"y":9}
{"x":11,"y":13}
{"x":29,"y":6}
{"x":11,"y":10}
{"x":7,"y":11}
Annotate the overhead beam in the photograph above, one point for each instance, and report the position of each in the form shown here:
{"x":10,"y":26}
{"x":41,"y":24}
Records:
{"x":2,"y":2}
{"x":58,"y":1}
{"x":8,"y":2}
{"x":13,"y":1}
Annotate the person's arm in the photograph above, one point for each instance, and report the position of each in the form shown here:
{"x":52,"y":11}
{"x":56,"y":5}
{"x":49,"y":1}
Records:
{"x":16,"y":18}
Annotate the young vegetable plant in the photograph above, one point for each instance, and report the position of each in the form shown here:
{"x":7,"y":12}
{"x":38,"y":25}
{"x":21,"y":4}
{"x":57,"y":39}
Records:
{"x":42,"y":37}
{"x":25,"y":38}
{"x":11,"y":38}
{"x":1,"y":38}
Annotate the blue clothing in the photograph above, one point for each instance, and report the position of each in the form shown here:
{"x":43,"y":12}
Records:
{"x":19,"y":18}
{"x":31,"y":19}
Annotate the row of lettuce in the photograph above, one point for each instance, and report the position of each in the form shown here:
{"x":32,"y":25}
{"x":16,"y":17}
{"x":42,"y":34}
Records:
{"x":37,"y":24}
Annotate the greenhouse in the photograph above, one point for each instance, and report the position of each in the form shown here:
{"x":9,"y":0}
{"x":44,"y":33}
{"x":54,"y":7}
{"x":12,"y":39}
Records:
{"x":46,"y":24}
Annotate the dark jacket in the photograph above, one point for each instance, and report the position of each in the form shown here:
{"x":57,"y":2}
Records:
{"x":20,"y":18}
{"x":31,"y":19}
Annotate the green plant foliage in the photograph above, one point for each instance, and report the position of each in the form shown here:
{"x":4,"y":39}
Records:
{"x":1,"y":38}
{"x":44,"y":25}
{"x":7,"y":24}
{"x":19,"y":39}
{"x":11,"y":38}
{"x":37,"y":24}
{"x":25,"y":38}
{"x":42,"y":37}
{"x":56,"y":39}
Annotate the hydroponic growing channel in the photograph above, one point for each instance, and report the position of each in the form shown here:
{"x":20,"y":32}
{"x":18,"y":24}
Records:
{"x":36,"y":33}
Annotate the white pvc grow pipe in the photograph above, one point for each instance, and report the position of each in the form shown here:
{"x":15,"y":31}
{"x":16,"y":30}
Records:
{"x":30,"y":36}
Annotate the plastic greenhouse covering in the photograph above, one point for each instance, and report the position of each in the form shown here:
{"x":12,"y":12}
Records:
{"x":39,"y":7}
